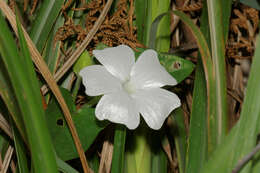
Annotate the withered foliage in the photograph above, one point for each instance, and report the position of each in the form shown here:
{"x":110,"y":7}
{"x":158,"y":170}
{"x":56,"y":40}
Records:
{"x":26,"y":4}
{"x":193,"y":6}
{"x":116,"y":29}
{"x":243,"y":29}
{"x":12,"y":4}
{"x":68,"y":30}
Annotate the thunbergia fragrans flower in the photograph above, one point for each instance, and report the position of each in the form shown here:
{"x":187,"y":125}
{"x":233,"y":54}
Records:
{"x":130,"y":88}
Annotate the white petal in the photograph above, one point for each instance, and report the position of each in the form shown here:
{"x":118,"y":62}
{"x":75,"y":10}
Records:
{"x":117,"y":60}
{"x":97,"y":80}
{"x":149,"y":73}
{"x":119,"y":108}
{"x":155,"y":105}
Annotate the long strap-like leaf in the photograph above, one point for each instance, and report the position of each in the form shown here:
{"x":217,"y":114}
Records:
{"x":41,"y":65}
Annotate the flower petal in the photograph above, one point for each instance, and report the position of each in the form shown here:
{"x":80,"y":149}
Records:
{"x":118,"y":107}
{"x":155,"y":105}
{"x":117,"y":60}
{"x":97,"y":80}
{"x":149,"y":73}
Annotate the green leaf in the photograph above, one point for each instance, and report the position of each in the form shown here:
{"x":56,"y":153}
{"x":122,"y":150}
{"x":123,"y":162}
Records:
{"x":243,"y":136}
{"x":226,"y":6}
{"x":159,"y":162}
{"x":24,"y":82}
{"x":44,"y":21}
{"x":143,"y":14}
{"x":52,"y":49}
{"x":179,"y":133}
{"x":94,"y":162}
{"x":8,"y":96}
{"x":84,"y":60}
{"x":178,"y":67}
{"x":119,"y":149}
{"x":197,"y":140}
{"x":146,"y":11}
{"x":158,"y":156}
{"x":64,"y":167}
{"x":251,"y":3}
{"x":218,"y":123}
{"x":256,"y":164}
{"x":20,"y":151}
{"x":88,"y":127}
{"x":163,"y":35}
{"x":138,"y":150}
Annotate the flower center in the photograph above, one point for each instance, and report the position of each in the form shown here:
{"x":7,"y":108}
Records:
{"x":129,"y":87}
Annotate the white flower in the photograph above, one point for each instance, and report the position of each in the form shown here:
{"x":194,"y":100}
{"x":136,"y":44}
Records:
{"x":130,"y":87}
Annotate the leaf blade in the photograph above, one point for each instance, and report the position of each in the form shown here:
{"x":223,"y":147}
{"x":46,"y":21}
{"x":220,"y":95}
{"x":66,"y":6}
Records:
{"x":119,"y":149}
{"x":30,"y":103}
{"x":43,"y":22}
{"x":241,"y":139}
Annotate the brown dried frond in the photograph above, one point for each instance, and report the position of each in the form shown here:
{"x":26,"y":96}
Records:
{"x":243,"y":28}
{"x":116,"y":28}
{"x":25,"y":4}
{"x":68,"y":3}
{"x":196,"y":6}
{"x":90,"y":5}
{"x":33,"y":6}
{"x":69,"y":29}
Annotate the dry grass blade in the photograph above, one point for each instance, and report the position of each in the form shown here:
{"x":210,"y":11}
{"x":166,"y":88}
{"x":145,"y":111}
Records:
{"x":7,"y":159}
{"x":106,"y":157}
{"x":43,"y":68}
{"x":82,"y":46}
{"x":167,"y":149}
{"x":5,"y":126}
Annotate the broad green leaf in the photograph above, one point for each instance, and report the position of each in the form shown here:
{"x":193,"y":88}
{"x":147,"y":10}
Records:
{"x":88,"y":127}
{"x":178,"y":67}
{"x":26,"y":88}
{"x":243,"y":136}
{"x":84,"y":60}
{"x":44,"y":21}
{"x":251,"y":3}
{"x":119,"y":149}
